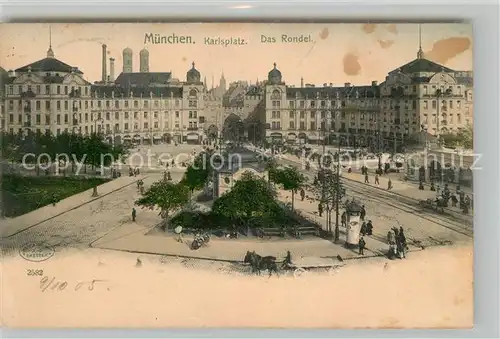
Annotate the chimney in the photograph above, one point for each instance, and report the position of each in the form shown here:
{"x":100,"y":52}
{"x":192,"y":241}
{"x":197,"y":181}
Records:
{"x":374,"y":83}
{"x":347,"y":84}
{"x":112,"y":69}
{"x":331,"y":84}
{"x":325,"y":85}
{"x":104,"y":60}
{"x":301,"y":82}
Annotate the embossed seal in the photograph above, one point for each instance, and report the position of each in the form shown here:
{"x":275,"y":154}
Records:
{"x":36,"y":252}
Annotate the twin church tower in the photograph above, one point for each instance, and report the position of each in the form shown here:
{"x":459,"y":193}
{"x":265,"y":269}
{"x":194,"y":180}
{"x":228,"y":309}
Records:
{"x":127,"y":63}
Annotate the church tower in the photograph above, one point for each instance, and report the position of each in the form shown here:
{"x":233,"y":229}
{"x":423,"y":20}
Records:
{"x":420,"y":53}
{"x":222,"y":83}
{"x":127,"y":60}
{"x":144,"y":61}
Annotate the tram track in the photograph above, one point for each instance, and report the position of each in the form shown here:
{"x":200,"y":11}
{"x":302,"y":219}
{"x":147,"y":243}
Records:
{"x":450,"y":220}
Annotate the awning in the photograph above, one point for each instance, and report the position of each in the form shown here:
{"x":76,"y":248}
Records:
{"x":127,"y":137}
{"x":193,"y":137}
{"x":156,"y":137}
{"x":291,"y":137}
{"x":137,"y":137}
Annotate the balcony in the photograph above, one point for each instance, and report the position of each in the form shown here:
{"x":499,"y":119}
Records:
{"x":275,"y":128}
{"x":192,"y":128}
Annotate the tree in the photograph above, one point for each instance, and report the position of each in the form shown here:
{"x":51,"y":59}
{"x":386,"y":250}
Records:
{"x":198,"y":175}
{"x":250,"y":197}
{"x":290,"y":178}
{"x":465,"y":137}
{"x":330,"y":191}
{"x":166,"y":196}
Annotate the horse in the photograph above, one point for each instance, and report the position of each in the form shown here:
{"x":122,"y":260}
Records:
{"x":260,"y":263}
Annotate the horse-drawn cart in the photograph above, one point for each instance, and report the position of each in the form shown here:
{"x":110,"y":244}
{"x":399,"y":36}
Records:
{"x":301,"y":265}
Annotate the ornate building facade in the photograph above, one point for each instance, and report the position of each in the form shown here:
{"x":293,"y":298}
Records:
{"x":420,"y":96}
{"x":52,"y":96}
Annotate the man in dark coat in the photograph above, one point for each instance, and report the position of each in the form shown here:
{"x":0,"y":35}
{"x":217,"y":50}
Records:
{"x":363,"y":212}
{"x":134,"y":214}
{"x":362,"y":245}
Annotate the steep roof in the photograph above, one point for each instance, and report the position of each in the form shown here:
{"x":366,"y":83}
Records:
{"x":49,"y":65}
{"x":422,"y":65}
{"x":143,"y":79}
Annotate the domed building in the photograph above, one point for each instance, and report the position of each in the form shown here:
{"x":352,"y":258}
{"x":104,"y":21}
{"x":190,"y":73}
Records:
{"x":127,"y":60}
{"x":274,"y":76}
{"x":193,"y":76}
{"x":144,"y":61}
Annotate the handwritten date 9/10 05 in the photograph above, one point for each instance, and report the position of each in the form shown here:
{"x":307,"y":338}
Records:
{"x":52,"y":284}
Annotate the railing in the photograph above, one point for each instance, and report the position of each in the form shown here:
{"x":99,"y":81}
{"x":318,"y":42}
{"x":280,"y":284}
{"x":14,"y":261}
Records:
{"x":192,"y":128}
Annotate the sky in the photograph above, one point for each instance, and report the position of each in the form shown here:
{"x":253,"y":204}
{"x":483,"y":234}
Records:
{"x":337,"y":53}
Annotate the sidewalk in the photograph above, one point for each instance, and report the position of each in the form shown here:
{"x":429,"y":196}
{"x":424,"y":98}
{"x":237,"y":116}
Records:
{"x":405,"y":188}
{"x":10,"y":227}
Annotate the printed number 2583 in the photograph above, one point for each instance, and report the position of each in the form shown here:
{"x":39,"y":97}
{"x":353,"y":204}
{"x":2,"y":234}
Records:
{"x":34,"y":272}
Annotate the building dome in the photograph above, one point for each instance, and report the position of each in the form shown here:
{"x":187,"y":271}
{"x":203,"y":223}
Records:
{"x":193,"y":75}
{"x":274,"y":76}
{"x":127,"y":51}
{"x":144,"y":52}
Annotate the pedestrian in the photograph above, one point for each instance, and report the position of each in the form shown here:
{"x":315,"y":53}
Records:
{"x":320,"y":209}
{"x":366,"y":179}
{"x":363,"y":229}
{"x":362,"y":245}
{"x":389,"y":184}
{"x":363,"y":212}
{"x":302,"y":194}
{"x":369,"y":228}
{"x":402,"y":242}
{"x":454,"y":200}
{"x":134,"y":213}
{"x":433,"y":187}
{"x":377,"y":179}
{"x":344,"y":219}
{"x":391,"y":240}
{"x":421,"y":185}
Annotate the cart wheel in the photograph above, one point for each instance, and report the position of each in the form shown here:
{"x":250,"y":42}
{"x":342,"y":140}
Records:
{"x":299,"y":272}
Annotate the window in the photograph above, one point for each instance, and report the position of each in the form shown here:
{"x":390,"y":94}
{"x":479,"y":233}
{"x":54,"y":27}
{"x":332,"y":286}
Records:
{"x":302,"y":104}
{"x":66,"y":105}
{"x":47,"y":89}
{"x":145,"y":125}
{"x":434,"y":104}
{"x":302,"y":115}
{"x":136,"y":104}
{"x":117,"y":115}
{"x":459,"y":104}
{"x":313,"y":115}
{"x":276,"y":94}
{"x":292,"y":114}
{"x":145,"y":115}
{"x":313,"y":125}
{"x":146,"y":104}
{"x":292,"y":125}
{"x":47,"y":119}
{"x":66,"y":118}
{"x":126,"y":115}
{"x":126,"y":103}
{"x":58,"y":89}
{"x":426,"y":104}
{"x":107,"y":116}
{"x":302,"y":125}
{"x":58,"y":119}
{"x":426,"y":90}
{"x":136,"y":115}
{"x":291,"y":104}
{"x":451,"y":104}
{"x":125,"y":126}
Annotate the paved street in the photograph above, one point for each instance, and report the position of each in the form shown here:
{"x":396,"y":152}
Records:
{"x":81,"y":226}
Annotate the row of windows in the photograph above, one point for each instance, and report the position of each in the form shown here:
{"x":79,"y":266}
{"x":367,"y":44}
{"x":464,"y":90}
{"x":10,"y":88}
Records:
{"x":37,"y":89}
{"x":99,"y":117}
{"x":107,"y":104}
